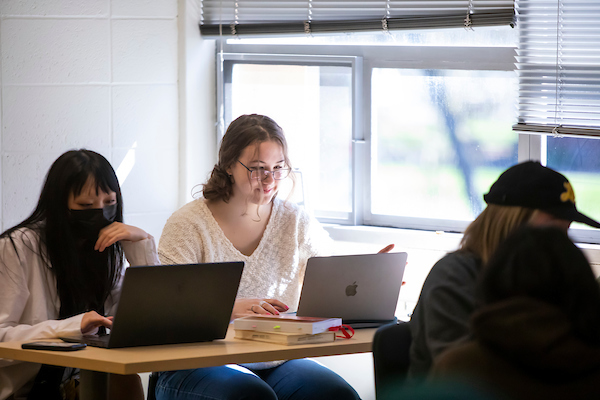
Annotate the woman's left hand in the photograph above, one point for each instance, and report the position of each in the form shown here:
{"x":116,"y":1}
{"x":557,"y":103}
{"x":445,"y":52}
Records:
{"x":387,"y":248}
{"x":118,"y":231}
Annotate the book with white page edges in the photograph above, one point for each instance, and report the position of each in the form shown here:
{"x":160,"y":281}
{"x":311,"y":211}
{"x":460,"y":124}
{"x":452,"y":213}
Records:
{"x":285,"y":338}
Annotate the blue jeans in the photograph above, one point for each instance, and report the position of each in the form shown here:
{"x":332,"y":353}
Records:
{"x":293,"y":380}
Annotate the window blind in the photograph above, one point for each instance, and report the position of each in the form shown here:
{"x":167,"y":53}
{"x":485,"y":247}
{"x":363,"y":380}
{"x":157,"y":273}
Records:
{"x":259,"y":17}
{"x":558,"y":63}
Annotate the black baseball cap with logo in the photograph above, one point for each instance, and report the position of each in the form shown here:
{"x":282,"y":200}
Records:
{"x":530,"y":184}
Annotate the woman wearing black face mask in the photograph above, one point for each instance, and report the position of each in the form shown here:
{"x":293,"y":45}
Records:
{"x":60,"y":270}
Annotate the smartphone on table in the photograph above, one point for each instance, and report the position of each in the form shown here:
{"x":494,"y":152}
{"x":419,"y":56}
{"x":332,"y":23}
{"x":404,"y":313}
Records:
{"x":53,"y":346}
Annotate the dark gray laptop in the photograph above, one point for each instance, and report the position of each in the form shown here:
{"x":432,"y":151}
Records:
{"x":362,"y":289}
{"x":167,"y":304}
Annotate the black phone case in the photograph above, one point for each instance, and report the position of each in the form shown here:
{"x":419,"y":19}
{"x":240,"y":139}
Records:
{"x":53,"y":346}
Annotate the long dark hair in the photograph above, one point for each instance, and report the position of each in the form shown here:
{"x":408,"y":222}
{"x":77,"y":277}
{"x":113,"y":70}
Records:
{"x":544,"y":264}
{"x":244,"y":131}
{"x":84,"y":277}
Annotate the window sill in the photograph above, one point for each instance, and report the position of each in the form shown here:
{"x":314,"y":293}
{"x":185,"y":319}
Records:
{"x":402,"y":238}
{"x":365,"y":239}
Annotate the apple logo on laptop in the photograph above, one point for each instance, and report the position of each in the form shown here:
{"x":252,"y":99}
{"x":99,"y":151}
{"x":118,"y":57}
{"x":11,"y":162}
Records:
{"x":351,"y":289}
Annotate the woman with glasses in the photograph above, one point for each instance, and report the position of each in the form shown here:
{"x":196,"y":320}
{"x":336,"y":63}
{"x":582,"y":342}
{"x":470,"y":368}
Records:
{"x":240,"y":218}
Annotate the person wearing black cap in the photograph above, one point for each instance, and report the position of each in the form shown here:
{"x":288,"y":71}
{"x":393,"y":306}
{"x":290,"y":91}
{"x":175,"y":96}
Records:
{"x":532,"y":185}
{"x":527,"y":193}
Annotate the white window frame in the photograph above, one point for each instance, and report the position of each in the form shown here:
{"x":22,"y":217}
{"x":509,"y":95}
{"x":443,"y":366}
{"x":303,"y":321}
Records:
{"x":363,"y":59}
{"x":355,"y":63}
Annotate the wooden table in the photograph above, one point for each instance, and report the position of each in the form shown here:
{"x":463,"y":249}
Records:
{"x":96,"y":363}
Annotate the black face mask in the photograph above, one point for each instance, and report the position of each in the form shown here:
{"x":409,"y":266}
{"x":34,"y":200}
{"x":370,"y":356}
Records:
{"x":88,"y":223}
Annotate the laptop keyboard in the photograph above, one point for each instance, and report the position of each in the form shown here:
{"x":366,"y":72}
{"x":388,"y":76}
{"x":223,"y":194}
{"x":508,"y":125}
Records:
{"x":90,"y":340}
{"x":96,"y":340}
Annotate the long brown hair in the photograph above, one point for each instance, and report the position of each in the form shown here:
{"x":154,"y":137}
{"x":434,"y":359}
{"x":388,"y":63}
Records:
{"x":491,"y":227}
{"x":244,"y":131}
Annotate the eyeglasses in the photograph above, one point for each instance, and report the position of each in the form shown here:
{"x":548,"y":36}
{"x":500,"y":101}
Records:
{"x":263,"y":174}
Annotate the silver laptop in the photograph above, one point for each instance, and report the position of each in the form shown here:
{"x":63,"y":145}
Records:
{"x":362,"y":289}
{"x":165,"y":304}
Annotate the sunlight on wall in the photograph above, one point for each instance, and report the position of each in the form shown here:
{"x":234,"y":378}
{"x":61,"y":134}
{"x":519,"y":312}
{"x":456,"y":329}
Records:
{"x":126,"y":165}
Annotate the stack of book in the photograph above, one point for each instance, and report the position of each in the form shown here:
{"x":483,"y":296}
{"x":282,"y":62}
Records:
{"x":286,"y":329}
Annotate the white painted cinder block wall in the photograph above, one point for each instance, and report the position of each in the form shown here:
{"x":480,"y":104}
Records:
{"x":96,"y":74}
{"x":131,"y":79}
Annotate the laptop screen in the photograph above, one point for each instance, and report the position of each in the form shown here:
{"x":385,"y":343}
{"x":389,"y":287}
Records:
{"x":354,"y":287}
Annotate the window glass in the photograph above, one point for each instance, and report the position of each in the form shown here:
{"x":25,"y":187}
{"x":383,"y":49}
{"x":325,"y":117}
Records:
{"x":313,"y":105}
{"x":440,"y":139}
{"x":579,"y":160}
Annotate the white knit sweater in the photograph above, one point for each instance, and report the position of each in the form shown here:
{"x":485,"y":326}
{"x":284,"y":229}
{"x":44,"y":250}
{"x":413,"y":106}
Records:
{"x":274,"y":270}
